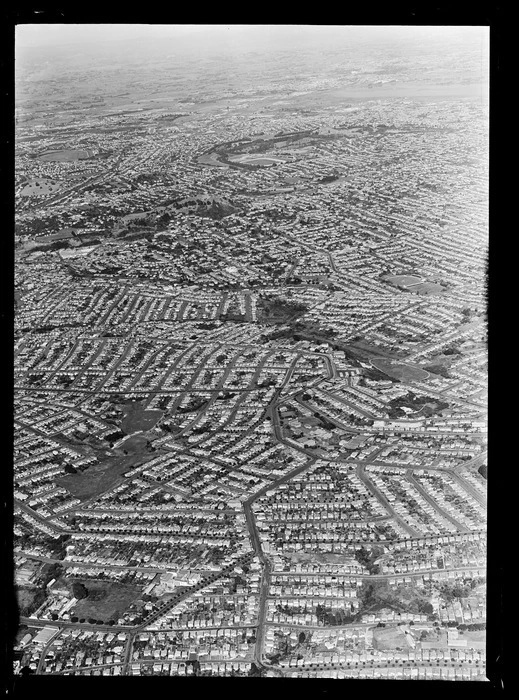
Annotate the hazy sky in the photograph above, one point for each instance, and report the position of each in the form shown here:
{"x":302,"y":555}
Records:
{"x":56,"y":34}
{"x":49,"y":34}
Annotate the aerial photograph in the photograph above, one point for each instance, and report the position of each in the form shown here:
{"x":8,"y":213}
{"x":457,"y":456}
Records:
{"x":250,"y":351}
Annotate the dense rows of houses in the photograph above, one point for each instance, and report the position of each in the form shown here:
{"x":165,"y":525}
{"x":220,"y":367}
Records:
{"x":238,"y":473}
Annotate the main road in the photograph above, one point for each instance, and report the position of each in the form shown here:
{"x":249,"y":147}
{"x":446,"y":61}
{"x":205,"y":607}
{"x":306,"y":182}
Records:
{"x":267,"y":564}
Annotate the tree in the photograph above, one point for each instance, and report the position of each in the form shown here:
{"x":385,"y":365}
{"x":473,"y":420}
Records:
{"x":54,"y":571}
{"x":79,"y":590}
{"x":425,"y":607}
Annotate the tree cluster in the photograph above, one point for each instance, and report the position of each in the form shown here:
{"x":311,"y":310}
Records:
{"x":79,"y":590}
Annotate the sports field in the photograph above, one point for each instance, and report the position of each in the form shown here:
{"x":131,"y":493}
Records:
{"x":252,"y":159}
{"x":403,"y":280}
{"x":66,"y":154}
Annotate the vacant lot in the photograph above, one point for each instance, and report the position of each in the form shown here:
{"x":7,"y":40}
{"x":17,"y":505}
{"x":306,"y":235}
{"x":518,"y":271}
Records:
{"x":400,"y":371}
{"x":105,"y":601}
{"x":98,"y":478}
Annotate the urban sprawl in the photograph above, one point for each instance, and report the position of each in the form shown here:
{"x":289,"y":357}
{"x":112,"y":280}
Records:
{"x":250,"y":375}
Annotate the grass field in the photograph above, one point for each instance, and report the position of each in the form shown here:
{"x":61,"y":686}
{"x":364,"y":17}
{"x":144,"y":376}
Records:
{"x":403,"y":280}
{"x":414,"y":284}
{"x":255,"y":159}
{"x":426,"y":288}
{"x":66,"y":154}
{"x":137,"y":418}
{"x":40,"y":186}
{"x":261,"y":161}
{"x":474,"y":636}
{"x":105,"y":601}
{"x":389,"y":638}
{"x":324,"y":558}
{"x":398,"y":370}
{"x":211,"y":159}
{"x":135,"y":444}
{"x":98,"y":478}
{"x":25,"y":597}
{"x":366,"y":350}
